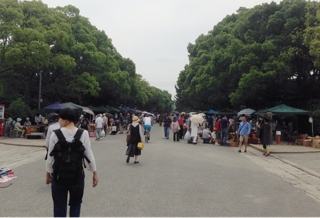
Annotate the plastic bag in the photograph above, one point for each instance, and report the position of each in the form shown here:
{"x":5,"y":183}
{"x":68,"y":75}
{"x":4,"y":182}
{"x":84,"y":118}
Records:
{"x":103,"y":133}
{"x":187,"y":135}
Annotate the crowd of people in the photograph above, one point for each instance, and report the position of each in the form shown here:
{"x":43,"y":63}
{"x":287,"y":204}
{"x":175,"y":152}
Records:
{"x":68,"y":127}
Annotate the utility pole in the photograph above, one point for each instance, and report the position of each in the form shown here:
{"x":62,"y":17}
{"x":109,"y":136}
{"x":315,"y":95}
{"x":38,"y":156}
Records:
{"x":40,"y":90}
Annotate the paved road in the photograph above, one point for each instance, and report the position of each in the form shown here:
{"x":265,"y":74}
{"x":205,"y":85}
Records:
{"x":172,"y":179}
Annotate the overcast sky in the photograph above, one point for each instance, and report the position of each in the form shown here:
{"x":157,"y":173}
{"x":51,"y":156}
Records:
{"x":155,"y":33}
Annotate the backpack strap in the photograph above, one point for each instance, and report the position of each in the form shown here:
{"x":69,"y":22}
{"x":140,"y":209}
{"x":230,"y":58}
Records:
{"x":59,"y":134}
{"x":78,"y":134}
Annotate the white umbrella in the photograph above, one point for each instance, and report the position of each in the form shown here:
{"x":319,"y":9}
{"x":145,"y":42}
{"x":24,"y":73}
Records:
{"x":196,"y":118}
{"x":144,"y":112}
{"x":150,"y":114}
{"x":202,"y":114}
{"x":246,"y":112}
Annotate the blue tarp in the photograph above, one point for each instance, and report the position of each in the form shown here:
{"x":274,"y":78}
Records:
{"x":55,"y":106}
{"x":211,"y":112}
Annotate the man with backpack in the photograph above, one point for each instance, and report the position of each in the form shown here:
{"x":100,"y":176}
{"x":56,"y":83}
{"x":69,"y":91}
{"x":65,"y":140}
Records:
{"x":69,"y":149}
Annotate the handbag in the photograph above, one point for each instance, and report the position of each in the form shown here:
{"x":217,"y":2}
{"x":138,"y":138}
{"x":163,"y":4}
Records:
{"x":128,"y":138}
{"x":140,"y":146}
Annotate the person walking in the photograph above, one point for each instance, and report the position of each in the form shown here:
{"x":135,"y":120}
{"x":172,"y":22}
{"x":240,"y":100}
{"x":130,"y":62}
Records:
{"x":224,"y":122}
{"x":244,"y":131}
{"x":217,"y":129}
{"x":193,"y":128}
{"x":98,"y":126}
{"x":136,"y":136}
{"x":181,"y":122}
{"x":54,"y":124}
{"x":84,"y":122}
{"x":175,"y":127}
{"x":59,"y":189}
{"x":121,"y":122}
{"x":264,"y":135}
{"x":167,"y":124}
{"x":105,"y":124}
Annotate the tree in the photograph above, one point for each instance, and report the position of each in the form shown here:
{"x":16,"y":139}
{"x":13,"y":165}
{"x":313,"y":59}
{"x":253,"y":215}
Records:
{"x":77,"y":61}
{"x":255,"y":57}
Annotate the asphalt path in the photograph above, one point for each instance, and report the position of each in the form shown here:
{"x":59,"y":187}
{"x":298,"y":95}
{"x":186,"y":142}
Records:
{"x":172,"y":179}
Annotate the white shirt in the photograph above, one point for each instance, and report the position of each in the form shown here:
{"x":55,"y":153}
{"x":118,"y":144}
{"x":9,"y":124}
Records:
{"x":52,"y":127}
{"x":99,"y":122}
{"x":147,"y":121}
{"x":69,"y":135}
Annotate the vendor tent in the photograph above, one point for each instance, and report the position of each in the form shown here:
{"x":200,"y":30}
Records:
{"x":112,"y":109}
{"x":285,"y":109}
{"x":127,"y":109}
{"x":55,"y":106}
{"x":227,"y":111}
{"x":210,"y":112}
{"x":100,"y":109}
{"x":73,"y":106}
{"x":77,"y":107}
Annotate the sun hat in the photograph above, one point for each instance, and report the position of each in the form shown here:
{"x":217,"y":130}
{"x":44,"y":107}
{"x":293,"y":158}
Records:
{"x":135,"y":119}
{"x":18,"y":119}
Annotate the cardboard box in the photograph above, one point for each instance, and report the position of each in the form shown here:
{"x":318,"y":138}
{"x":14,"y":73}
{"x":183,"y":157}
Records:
{"x":232,"y":144}
{"x":307,"y":143}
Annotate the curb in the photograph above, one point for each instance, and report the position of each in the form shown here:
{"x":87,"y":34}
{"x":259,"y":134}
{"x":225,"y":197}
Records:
{"x":285,"y":152}
{"x":35,"y":146}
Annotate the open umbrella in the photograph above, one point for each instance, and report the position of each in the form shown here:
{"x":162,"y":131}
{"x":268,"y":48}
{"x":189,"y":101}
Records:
{"x":246,"y":112}
{"x":109,"y":116}
{"x":150,"y":114}
{"x":202,"y":114}
{"x":88,"y":111}
{"x":197,"y":118}
{"x":55,"y":106}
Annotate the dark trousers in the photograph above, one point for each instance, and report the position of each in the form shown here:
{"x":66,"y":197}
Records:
{"x":166,"y":131}
{"x":181,"y":132}
{"x":60,"y":198}
{"x":176,"y":136}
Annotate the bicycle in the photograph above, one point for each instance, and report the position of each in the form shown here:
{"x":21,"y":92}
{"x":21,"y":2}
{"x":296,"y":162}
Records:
{"x":146,"y":136}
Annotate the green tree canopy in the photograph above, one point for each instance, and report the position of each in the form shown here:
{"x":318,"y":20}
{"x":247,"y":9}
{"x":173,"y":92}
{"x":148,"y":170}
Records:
{"x":269,"y":53}
{"x":77,"y":61}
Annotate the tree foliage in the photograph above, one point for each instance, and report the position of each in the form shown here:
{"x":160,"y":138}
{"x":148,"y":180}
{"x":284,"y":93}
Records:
{"x":269,"y":53}
{"x":77,"y":61}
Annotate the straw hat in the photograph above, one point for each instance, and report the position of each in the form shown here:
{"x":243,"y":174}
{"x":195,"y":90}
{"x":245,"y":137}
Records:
{"x":135,"y":119}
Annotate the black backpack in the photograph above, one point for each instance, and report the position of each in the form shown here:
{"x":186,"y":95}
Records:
{"x":84,"y":123}
{"x":68,"y":158}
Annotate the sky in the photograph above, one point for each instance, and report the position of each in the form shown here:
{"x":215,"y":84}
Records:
{"x":155,"y":34}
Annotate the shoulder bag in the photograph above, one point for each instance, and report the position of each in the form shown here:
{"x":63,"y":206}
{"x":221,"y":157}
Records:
{"x":140,"y":146}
